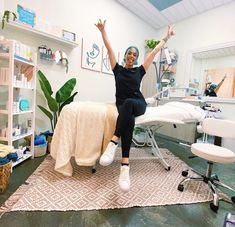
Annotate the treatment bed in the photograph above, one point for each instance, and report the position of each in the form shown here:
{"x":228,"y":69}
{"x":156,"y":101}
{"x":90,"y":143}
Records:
{"x":172,"y":113}
{"x":84,"y":129}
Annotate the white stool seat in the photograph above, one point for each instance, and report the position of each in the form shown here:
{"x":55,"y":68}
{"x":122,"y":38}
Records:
{"x":213,"y":153}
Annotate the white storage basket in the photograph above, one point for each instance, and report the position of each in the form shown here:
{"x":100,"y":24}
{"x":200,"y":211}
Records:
{"x":40,"y":150}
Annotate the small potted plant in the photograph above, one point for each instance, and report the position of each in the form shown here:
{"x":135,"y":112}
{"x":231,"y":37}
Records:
{"x":151,"y":43}
{"x":7,"y":16}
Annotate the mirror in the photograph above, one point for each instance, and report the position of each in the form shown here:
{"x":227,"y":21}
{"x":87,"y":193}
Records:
{"x":212,"y":70}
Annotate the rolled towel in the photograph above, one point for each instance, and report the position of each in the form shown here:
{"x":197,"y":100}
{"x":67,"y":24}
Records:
{"x":13,"y":157}
{"x":4,"y":161}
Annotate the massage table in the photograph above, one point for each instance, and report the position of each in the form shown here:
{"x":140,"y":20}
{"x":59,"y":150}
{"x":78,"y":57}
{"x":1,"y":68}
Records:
{"x":84,"y":129}
{"x":173,"y":113}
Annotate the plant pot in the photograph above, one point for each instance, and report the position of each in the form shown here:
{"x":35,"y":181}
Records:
{"x":49,"y":139}
{"x":5,"y":173}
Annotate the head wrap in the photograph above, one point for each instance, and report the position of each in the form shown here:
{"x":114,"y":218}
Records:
{"x":213,"y":87}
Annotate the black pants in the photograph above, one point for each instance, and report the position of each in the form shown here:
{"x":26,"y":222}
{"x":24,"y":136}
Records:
{"x":128,"y":110}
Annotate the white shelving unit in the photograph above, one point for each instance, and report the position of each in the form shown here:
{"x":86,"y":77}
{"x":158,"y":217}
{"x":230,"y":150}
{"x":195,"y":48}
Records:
{"x":17,"y":123}
{"x":41,"y":34}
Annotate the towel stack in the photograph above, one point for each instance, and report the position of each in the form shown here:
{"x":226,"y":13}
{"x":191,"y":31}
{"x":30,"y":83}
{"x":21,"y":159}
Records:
{"x":7,"y":153}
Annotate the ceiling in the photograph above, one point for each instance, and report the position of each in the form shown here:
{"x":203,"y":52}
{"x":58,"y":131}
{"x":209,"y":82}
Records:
{"x":174,"y":11}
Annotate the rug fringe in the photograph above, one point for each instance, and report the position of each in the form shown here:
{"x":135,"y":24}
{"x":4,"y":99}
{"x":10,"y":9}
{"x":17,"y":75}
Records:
{"x":8,"y":205}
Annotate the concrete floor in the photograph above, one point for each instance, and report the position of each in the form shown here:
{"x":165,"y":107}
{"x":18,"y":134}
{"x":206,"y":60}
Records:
{"x":175,"y":215}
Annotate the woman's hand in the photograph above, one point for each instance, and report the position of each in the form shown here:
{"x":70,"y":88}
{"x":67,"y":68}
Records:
{"x":101,"y":25}
{"x":170,"y":32}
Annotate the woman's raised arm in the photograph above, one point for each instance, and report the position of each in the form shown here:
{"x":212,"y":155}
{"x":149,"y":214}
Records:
{"x":149,"y":59}
{"x":101,"y":26}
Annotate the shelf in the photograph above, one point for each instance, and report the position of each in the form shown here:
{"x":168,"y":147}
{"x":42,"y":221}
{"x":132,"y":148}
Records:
{"x":16,"y":113}
{"x":3,"y":84}
{"x":4,"y":55}
{"x":3,"y":139}
{"x":23,"y":112}
{"x":25,"y":156}
{"x":12,"y":116}
{"x":14,"y":138}
{"x":3,"y":111}
{"x":41,"y":34}
{"x":22,"y":87}
{"x":22,"y":60}
{"x":17,"y":59}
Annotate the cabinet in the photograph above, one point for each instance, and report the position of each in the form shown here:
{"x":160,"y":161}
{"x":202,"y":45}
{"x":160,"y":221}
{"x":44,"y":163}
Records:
{"x":17,"y":97}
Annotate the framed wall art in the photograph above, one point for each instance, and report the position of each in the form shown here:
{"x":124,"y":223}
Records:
{"x":91,"y":55}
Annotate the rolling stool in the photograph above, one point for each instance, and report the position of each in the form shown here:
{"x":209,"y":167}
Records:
{"x":213,"y":154}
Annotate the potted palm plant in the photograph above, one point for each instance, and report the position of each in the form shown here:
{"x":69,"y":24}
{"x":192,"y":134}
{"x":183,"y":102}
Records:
{"x":55,"y":104}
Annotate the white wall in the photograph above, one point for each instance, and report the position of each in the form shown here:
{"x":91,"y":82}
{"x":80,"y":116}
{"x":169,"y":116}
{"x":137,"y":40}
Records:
{"x":124,"y":29}
{"x":79,"y":16}
{"x":210,"y":28}
{"x":1,"y":7}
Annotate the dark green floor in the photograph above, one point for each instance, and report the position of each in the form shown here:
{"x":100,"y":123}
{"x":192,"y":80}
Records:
{"x":177,"y":215}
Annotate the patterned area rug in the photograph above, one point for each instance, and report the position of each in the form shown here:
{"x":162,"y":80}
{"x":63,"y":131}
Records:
{"x":151,"y":185}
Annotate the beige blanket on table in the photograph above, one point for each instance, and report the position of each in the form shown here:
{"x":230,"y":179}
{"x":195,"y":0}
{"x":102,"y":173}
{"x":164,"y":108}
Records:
{"x":83,"y":131}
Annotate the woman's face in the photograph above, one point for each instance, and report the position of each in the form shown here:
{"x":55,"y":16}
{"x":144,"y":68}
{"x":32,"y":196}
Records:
{"x":130,"y":58}
{"x":208,"y":85}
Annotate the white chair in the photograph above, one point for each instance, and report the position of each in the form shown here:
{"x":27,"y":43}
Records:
{"x":213,"y":154}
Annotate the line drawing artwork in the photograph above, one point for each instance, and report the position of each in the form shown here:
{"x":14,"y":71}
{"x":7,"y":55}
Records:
{"x":106,"y":66}
{"x":91,"y":56}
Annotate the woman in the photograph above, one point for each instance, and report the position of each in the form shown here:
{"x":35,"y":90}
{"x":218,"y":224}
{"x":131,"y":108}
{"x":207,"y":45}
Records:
{"x":129,"y":100}
{"x":212,"y":89}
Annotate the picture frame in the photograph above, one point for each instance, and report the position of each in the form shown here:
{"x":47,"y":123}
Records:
{"x":106,"y":66}
{"x":26,"y":16}
{"x":91,"y":55}
{"x":67,"y":35}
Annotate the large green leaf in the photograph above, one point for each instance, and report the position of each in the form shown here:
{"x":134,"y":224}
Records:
{"x":43,"y":79}
{"x":51,"y":102}
{"x":49,"y":115}
{"x":45,"y":111}
{"x":65,"y":91}
{"x":69,"y":100}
